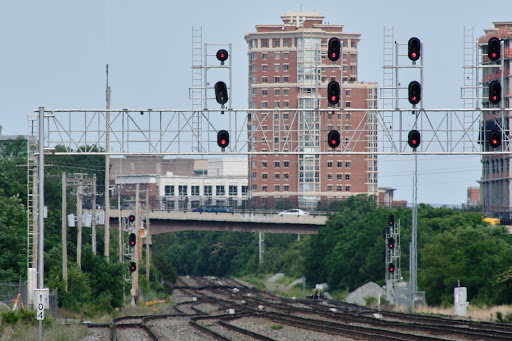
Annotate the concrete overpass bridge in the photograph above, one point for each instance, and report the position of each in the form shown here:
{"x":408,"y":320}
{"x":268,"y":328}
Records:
{"x":174,"y":221}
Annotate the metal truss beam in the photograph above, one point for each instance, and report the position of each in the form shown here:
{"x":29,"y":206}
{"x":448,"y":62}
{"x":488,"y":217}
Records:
{"x":171,"y":132}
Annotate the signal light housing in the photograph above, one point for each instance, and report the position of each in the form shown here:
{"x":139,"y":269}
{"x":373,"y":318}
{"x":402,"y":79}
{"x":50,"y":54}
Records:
{"x":132,"y":239}
{"x":391,"y":267}
{"x":221,"y":93}
{"x":391,"y":220}
{"x":133,"y":266}
{"x":131,"y":218}
{"x":414,"y":139}
{"x":495,"y":92}
{"x":494,"y":49}
{"x":222,"y":55}
{"x":391,"y":242}
{"x":494,"y":138}
{"x":222,"y":138}
{"x":414,"y":49}
{"x":414,"y":92}
{"x":333,"y":138}
{"x":333,"y":92}
{"x":334,"y":49}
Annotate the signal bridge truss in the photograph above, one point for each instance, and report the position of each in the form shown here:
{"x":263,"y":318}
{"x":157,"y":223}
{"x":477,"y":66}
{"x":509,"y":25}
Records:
{"x":264,"y":131}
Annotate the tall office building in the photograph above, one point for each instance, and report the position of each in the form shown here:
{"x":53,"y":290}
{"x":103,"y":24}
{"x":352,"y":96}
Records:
{"x":289,"y":70}
{"x":495,"y":184}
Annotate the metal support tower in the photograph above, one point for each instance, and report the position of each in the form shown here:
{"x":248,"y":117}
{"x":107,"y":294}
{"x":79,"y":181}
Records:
{"x":32,"y":172}
{"x":388,"y":91}
{"x":469,"y":87}
{"x":196,"y":91}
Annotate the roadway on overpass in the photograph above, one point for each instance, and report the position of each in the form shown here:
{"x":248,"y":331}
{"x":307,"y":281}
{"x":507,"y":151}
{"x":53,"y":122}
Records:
{"x":173,"y":221}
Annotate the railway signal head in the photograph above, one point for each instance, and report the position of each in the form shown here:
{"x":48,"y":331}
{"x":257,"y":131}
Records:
{"x":391,"y":220}
{"x":131,"y":218}
{"x":221,"y":93}
{"x":334,"y":49}
{"x":414,"y":49}
{"x":495,"y":92}
{"x":495,"y":139}
{"x":133,"y":266}
{"x":414,"y":92}
{"x":414,"y":139}
{"x":333,"y":138}
{"x":333,"y":92}
{"x":131,"y":239}
{"x":391,"y":242}
{"x":222,"y":138}
{"x":391,"y":267}
{"x":494,"y":49}
{"x":222,"y":56}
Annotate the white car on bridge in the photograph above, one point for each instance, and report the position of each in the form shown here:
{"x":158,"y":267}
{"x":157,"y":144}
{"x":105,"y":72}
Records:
{"x":294,"y":211}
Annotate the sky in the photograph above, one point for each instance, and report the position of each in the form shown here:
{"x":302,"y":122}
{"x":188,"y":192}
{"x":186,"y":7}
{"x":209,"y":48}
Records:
{"x":54,"y":53}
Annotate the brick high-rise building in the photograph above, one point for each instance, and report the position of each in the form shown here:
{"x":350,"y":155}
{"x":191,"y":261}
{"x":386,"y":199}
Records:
{"x":288,"y":69}
{"x":496,"y":184}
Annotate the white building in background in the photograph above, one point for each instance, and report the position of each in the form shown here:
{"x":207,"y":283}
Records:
{"x":225,"y":184}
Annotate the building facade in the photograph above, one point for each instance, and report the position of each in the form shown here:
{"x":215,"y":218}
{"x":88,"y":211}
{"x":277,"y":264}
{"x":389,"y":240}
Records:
{"x":495,"y":184}
{"x":288,"y":75}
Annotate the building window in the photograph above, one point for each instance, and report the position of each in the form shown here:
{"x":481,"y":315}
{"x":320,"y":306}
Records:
{"x":264,"y":43}
{"x":345,"y":68}
{"x":285,"y":92}
{"x":339,"y":164}
{"x":285,"y":55}
{"x":264,"y":68}
{"x":352,"y":57}
{"x":329,"y":176}
{"x":169,"y":190}
{"x":254,"y":175}
{"x":338,"y":188}
{"x":253,"y":79}
{"x":264,"y":79}
{"x":207,"y":191}
{"x":286,"y":176}
{"x":347,"y":104}
{"x":276,"y":188}
{"x":219,"y":190}
{"x":277,"y":43}
{"x":277,"y":55}
{"x":347,"y":164}
{"x":353,"y":69}
{"x":276,"y":176}
{"x":286,"y":164}
{"x":286,"y":188}
{"x":264,"y":56}
{"x":233,"y":190}
{"x":329,"y":188}
{"x":347,"y":188}
{"x":244,"y":190}
{"x":344,"y":56}
{"x":264,"y":176}
{"x":195,"y":190}
{"x":264,"y":164}
{"x":254,"y":187}
{"x":347,"y":92}
{"x":182,"y":190}
{"x":352,"y":79}
{"x":339,"y":176}
{"x":329,"y":164}
{"x":264,"y":92}
{"x":276,"y":164}
{"x":264,"y":104}
{"x":285,"y":66}
{"x":352,"y":44}
{"x":276,"y":67}
{"x":264,"y":188}
{"x":254,"y":55}
{"x":276,"y":139}
{"x":285,"y":43}
{"x":347,"y":176}
{"x":276,"y":104}
{"x":286,"y":104}
{"x":276,"y":79}
{"x":285,"y":79}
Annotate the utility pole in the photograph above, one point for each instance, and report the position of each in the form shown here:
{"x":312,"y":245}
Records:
{"x":148,"y":237}
{"x":120,"y":225}
{"x":93,"y":222}
{"x":107,"y":176}
{"x":79,"y":221}
{"x":64,"y":233}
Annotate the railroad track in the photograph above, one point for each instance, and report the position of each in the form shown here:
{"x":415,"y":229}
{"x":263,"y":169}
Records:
{"x":225,"y":309}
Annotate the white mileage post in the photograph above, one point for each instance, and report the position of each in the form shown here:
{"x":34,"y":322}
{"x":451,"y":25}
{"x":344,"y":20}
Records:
{"x":42,"y":302}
